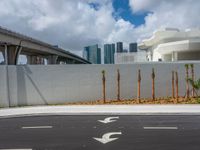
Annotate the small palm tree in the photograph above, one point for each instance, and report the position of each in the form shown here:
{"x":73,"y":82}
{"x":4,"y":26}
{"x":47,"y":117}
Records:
{"x":153,"y":84}
{"x":176,"y":75}
{"x":192,"y":73}
{"x":139,"y":86}
{"x":195,"y":85}
{"x":187,"y":82}
{"x":118,"y":85}
{"x":104,"y":85}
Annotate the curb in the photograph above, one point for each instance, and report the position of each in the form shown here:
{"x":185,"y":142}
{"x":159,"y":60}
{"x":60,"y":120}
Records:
{"x":100,"y":110}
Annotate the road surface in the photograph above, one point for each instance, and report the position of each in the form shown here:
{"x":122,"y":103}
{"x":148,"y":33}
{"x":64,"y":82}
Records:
{"x":131,"y":132}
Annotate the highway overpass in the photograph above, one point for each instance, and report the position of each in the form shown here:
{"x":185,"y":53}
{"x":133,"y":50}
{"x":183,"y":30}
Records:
{"x":13,"y":44}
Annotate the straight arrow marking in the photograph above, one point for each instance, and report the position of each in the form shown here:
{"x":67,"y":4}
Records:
{"x":108,"y":120}
{"x":106,"y":137}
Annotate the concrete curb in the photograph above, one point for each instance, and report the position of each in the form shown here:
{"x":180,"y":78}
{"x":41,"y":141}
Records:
{"x":101,"y":110}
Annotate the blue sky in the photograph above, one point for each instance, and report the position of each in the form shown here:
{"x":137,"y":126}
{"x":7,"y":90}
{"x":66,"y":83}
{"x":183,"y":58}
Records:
{"x":124,"y":11}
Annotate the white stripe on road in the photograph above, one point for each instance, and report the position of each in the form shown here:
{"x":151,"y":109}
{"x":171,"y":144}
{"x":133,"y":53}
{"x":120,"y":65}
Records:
{"x":161,"y":128}
{"x":38,"y":127}
{"x":17,"y":149}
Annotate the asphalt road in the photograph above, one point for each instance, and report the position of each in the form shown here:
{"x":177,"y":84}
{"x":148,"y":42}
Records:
{"x":87,"y":133}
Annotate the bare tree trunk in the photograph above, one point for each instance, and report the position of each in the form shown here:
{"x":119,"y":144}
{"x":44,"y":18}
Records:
{"x":139,"y":86}
{"x":187,"y":82}
{"x":153,"y":84}
{"x":104,"y":86}
{"x":192,"y":72}
{"x":177,"y":96}
{"x":173,"y":85}
{"x":118,"y":85}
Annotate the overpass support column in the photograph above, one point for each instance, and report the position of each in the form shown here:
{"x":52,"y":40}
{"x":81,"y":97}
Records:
{"x":31,"y":59}
{"x":11,"y":54}
{"x":52,"y":59}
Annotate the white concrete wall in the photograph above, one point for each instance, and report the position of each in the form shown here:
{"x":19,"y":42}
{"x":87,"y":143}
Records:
{"x":55,"y":84}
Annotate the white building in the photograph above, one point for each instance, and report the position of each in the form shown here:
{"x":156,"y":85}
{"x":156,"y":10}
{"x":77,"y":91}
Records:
{"x":130,"y":58}
{"x":171,"y":44}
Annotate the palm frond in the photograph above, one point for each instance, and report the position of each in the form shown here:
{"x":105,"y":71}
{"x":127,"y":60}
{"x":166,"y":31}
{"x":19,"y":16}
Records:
{"x":194,"y":84}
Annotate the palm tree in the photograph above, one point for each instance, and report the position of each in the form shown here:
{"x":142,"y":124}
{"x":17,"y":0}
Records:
{"x":153,"y":84}
{"x":176,"y":73}
{"x":195,"y":85}
{"x":139,"y":86}
{"x":192,"y":73}
{"x":118,"y":85}
{"x":104,"y":85}
{"x":173,"y":85}
{"x":187,"y":82}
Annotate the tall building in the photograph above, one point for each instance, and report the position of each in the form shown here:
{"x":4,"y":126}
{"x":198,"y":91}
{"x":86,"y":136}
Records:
{"x":132,"y":47}
{"x":109,"y":51}
{"x":99,"y":56}
{"x":92,"y":54}
{"x":119,"y":47}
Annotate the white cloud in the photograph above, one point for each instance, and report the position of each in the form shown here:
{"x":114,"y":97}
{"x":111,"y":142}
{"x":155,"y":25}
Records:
{"x":142,"y":5}
{"x":73,"y":24}
{"x":166,"y":13}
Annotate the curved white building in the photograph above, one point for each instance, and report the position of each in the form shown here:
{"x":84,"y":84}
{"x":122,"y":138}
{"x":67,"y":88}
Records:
{"x":171,"y":44}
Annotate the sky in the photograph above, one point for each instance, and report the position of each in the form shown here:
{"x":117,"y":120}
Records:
{"x":73,"y":24}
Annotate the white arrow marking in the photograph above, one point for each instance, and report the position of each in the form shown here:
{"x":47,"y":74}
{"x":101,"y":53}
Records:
{"x":106,"y":137}
{"x":108,"y":120}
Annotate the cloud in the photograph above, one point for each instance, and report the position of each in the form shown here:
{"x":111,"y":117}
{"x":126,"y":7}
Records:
{"x":166,"y":13}
{"x":142,"y":5}
{"x":73,"y":24}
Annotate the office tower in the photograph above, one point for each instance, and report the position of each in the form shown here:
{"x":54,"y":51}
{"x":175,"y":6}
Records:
{"x":109,"y":51}
{"x":92,"y":54}
{"x":133,"y":47}
{"x":86,"y":53}
{"x":119,"y":47}
{"x":99,"y":56}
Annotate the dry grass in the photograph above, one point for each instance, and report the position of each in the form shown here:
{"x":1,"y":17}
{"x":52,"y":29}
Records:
{"x":181,"y":100}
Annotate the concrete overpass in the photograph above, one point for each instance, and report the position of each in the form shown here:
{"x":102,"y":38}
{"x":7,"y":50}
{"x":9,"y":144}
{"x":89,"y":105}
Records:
{"x":13,"y":44}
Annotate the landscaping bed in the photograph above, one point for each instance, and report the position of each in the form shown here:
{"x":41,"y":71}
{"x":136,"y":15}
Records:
{"x":142,"y":101}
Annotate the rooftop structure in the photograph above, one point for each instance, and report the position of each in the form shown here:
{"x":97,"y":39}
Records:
{"x":172,"y":44}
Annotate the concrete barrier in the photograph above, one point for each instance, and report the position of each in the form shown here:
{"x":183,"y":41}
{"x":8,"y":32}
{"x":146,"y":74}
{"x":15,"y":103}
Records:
{"x":56,"y":84}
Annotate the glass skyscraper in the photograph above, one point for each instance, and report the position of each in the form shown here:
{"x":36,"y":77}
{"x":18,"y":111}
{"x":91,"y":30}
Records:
{"x":109,"y":51}
{"x":133,"y":47}
{"x":119,"y":47}
{"x":92,"y":54}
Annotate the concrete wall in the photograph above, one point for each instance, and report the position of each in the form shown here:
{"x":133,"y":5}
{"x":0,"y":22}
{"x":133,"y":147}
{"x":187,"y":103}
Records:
{"x":55,"y":84}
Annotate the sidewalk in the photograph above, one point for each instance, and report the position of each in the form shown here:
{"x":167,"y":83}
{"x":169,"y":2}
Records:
{"x":101,"y":110}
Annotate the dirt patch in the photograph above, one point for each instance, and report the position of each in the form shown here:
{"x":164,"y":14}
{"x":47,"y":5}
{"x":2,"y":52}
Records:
{"x":142,"y":101}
